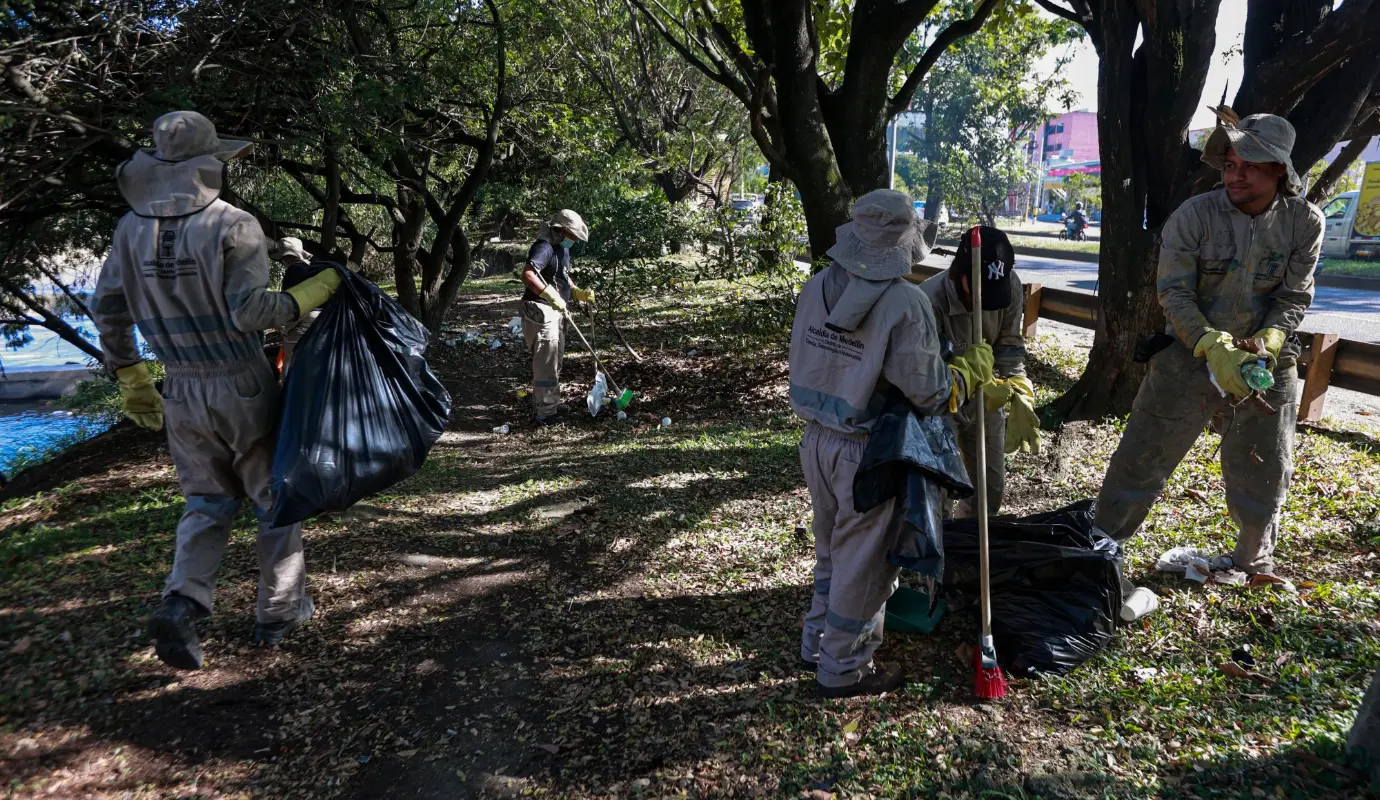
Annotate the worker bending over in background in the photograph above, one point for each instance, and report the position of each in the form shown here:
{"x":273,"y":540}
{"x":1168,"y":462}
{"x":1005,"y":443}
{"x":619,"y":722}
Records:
{"x":549,"y":288}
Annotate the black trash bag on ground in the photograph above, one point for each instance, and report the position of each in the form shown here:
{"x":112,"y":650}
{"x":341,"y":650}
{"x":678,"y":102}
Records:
{"x":1056,"y":586}
{"x":361,"y":408}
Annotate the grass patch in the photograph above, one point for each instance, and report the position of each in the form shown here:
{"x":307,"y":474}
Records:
{"x":1351,"y":267}
{"x":1050,"y":243}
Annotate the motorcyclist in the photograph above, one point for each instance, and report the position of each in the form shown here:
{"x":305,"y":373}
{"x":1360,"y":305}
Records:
{"x":1076,"y":221}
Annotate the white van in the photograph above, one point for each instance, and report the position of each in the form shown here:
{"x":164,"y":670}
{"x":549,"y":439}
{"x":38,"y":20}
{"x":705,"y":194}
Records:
{"x":1339,"y":240}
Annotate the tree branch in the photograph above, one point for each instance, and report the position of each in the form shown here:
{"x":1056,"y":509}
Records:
{"x":942,"y":42}
{"x":1060,"y":11}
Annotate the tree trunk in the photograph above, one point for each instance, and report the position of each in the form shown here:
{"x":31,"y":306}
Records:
{"x":1364,"y":738}
{"x":1322,"y":189}
{"x":1146,"y":97}
{"x":809,"y":152}
{"x":1127,"y":313}
{"x":407,"y":242}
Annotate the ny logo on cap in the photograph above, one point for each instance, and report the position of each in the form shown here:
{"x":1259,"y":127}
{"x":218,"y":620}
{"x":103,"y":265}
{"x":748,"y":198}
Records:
{"x":996,"y":271}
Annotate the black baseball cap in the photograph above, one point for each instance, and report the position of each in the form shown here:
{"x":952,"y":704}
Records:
{"x":998,"y":260}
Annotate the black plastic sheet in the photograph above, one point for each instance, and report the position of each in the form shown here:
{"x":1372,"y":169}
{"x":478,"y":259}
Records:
{"x":1056,"y":586}
{"x":914,"y":458}
{"x":361,"y":408}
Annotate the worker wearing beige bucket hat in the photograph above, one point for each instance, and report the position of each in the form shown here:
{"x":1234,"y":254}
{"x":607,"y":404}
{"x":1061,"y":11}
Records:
{"x":190,"y":271}
{"x":861,"y":332}
{"x":550,"y":287}
{"x":1236,"y":264}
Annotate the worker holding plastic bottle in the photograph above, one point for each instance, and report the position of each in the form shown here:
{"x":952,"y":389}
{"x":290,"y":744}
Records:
{"x":1010,"y":399}
{"x":1235,"y":276}
{"x":860,"y":334}
{"x":549,"y":288}
{"x":190,"y":271}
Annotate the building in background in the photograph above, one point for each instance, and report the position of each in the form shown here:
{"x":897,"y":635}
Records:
{"x":1063,"y":146}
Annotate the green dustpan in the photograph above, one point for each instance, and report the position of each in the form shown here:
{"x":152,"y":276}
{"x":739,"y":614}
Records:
{"x":625,"y":398}
{"x":908,"y":611}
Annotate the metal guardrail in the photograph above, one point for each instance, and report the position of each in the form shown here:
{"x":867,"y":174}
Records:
{"x":1327,"y":359}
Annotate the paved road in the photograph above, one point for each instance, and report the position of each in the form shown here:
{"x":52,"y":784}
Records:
{"x":1353,"y":313}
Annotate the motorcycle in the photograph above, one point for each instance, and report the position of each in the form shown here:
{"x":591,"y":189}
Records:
{"x":1073,"y":231}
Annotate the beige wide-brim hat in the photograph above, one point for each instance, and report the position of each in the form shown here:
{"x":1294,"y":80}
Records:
{"x":884,"y":239}
{"x":1260,"y":139}
{"x":569,"y":220}
{"x":291,"y":247}
{"x":184,"y":135}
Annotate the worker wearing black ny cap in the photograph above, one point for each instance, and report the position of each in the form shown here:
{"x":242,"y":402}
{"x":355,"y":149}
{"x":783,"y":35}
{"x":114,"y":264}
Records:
{"x":1010,"y":399}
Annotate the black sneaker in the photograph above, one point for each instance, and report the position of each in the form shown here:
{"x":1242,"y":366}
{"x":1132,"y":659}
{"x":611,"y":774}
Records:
{"x":173,"y":628}
{"x":882,"y":680}
{"x":549,"y":419}
{"x":271,"y":633}
{"x":806,"y":665}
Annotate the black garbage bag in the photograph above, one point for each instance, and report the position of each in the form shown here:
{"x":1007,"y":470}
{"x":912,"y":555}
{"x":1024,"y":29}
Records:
{"x":361,"y":408}
{"x":915,"y":458}
{"x":1056,"y":586}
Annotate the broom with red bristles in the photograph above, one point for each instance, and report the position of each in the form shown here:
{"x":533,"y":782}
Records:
{"x":988,"y":680}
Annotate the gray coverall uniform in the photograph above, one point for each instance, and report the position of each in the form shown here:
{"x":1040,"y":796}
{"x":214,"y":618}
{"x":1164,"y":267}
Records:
{"x":1002,"y":330}
{"x":295,"y":330}
{"x":886,"y":337}
{"x":543,"y":327}
{"x":1220,"y":269}
{"x":191,"y":271}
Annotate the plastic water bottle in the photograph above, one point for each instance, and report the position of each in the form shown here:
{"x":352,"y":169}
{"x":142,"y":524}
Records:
{"x":1258,"y":375}
{"x":502,"y":429}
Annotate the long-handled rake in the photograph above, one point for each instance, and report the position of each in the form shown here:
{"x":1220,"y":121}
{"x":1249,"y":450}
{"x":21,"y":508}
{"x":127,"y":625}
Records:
{"x":624,"y":396}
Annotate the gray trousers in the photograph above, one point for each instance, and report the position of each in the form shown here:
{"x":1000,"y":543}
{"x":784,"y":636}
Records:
{"x":294,"y":333}
{"x":543,"y":329}
{"x":853,"y":580}
{"x":1175,"y":402}
{"x":996,"y":462}
{"x":220,"y":433}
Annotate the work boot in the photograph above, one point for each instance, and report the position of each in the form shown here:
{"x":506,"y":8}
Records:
{"x":806,"y":665}
{"x":549,"y":419}
{"x":271,"y":633}
{"x":173,"y":628}
{"x":563,"y":408}
{"x":882,"y":680}
{"x":1269,"y":580}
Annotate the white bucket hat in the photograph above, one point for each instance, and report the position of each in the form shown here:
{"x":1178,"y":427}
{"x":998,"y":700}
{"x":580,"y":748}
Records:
{"x":183,"y":135}
{"x":291,"y":246}
{"x":569,"y":220}
{"x":884,"y":239}
{"x":1260,"y":139}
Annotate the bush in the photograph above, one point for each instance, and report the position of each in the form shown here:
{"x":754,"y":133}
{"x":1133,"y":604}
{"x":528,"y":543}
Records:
{"x":759,"y":256}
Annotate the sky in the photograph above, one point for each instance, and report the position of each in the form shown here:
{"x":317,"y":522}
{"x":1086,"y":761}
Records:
{"x":1226,"y":68}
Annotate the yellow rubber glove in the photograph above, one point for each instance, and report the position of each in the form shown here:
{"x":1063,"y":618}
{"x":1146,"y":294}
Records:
{"x":140,"y":400}
{"x":1274,"y":342}
{"x":1022,"y":425}
{"x":1225,"y":361}
{"x":969,"y":371}
{"x":583,"y":295}
{"x":1000,"y":391}
{"x":550,"y":295}
{"x":313,"y":292}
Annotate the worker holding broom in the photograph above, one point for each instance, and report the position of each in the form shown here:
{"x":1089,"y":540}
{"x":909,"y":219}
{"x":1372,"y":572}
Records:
{"x":549,"y":288}
{"x":1010,"y":399}
{"x":860,"y":333}
{"x":1235,"y":279}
